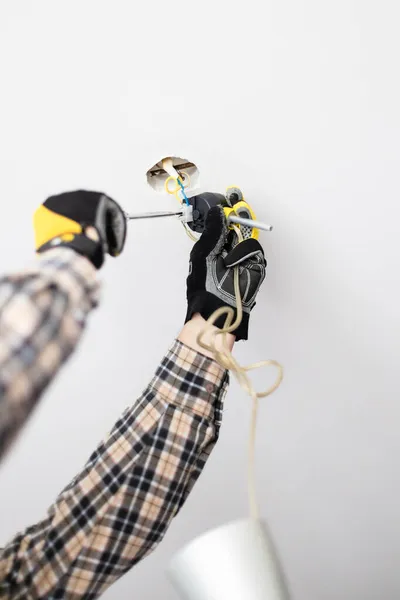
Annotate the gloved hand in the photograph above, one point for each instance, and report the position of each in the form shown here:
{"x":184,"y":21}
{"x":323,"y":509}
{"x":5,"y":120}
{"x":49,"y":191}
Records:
{"x":210,"y":280}
{"x":63,"y":219}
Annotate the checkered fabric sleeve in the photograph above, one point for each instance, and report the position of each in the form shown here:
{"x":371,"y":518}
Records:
{"x":119,"y":507}
{"x":42,"y":314}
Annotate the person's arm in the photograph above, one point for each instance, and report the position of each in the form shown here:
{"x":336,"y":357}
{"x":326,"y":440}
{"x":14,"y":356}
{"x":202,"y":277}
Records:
{"x":43,"y":309}
{"x":119,"y":507}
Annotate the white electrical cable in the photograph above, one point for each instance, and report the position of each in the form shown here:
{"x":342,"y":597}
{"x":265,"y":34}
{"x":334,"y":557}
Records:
{"x":225,"y":358}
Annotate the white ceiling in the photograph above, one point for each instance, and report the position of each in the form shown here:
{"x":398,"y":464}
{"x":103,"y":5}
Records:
{"x":297,"y":103}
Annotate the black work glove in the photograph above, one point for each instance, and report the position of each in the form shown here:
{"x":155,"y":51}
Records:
{"x":62,"y":220}
{"x":210,"y":280}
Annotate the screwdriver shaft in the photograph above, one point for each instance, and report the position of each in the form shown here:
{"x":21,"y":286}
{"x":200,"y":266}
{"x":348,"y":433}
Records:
{"x":231,"y":219}
{"x":154,"y":215}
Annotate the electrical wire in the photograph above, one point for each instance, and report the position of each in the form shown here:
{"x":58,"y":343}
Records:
{"x":180,"y":184}
{"x":227,"y":361}
{"x":225,"y":358}
{"x":183,"y":191}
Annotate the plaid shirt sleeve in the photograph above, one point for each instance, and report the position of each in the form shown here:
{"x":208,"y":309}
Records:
{"x":118,"y":508}
{"x":42,"y":314}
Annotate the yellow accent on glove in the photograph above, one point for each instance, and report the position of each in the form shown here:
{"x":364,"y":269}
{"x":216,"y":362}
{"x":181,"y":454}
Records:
{"x":249,"y":214}
{"x":49,"y":225}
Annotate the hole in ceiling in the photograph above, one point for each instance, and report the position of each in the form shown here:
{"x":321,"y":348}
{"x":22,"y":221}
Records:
{"x":157,"y":174}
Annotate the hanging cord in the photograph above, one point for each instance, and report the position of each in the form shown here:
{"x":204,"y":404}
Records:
{"x":224,"y":357}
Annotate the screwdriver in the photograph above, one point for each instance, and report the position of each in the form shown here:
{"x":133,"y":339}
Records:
{"x":231,"y":219}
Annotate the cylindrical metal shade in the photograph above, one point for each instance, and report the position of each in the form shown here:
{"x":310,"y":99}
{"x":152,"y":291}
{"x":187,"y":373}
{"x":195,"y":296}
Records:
{"x":234,"y":562}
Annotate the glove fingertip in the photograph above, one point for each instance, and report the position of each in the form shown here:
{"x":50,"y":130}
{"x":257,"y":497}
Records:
{"x":215,"y":217}
{"x":116,"y":226}
{"x":243,"y":251}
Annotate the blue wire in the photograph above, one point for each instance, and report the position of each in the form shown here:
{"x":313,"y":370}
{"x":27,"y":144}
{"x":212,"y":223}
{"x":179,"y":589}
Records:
{"x":183,"y":192}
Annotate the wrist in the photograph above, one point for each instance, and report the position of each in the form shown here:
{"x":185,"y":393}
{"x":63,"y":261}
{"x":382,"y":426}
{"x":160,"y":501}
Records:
{"x":83,"y":244}
{"x":194,"y":327}
{"x":205,"y":304}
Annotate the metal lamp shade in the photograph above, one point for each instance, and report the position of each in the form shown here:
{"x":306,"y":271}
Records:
{"x":234,"y":562}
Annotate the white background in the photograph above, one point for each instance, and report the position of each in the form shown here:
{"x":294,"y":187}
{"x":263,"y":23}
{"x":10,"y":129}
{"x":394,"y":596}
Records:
{"x":298,"y":104}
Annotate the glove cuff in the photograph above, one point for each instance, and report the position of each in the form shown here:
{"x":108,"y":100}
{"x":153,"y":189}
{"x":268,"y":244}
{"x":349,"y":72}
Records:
{"x":206,"y":303}
{"x":92,"y":250}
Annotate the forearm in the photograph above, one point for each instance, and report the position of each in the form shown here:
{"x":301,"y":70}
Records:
{"x":120,"y":506}
{"x":43,"y":311}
